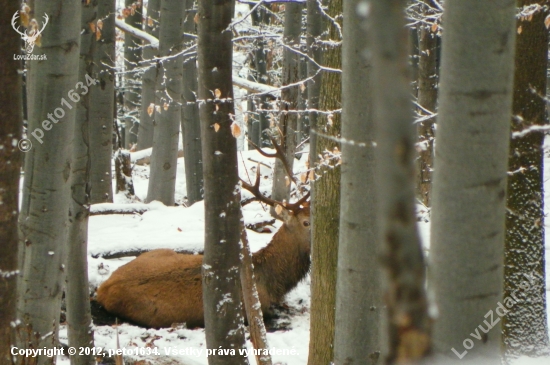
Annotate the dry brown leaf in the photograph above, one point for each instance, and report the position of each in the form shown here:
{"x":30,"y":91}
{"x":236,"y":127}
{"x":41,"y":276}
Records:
{"x":218,"y":93}
{"x":302,"y":87}
{"x":196,"y":18}
{"x":216,"y":127}
{"x":547,"y":22}
{"x":303,"y":178}
{"x":150,"y":22}
{"x":312,"y":175}
{"x":520,"y":29}
{"x":98,"y":34}
{"x":287,"y":181}
{"x":165,"y":106}
{"x":151,"y":109}
{"x":92,"y":26}
{"x":235,"y":130}
{"x":435,"y":27}
{"x":278,"y":209}
{"x":24,"y":13}
{"x":100,"y":24}
{"x":158,"y":109}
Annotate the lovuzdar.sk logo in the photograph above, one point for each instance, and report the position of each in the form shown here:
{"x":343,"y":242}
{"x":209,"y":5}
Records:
{"x":31,"y":35}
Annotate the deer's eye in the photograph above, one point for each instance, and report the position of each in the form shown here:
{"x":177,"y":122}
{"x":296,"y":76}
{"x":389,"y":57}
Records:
{"x":306,"y":223}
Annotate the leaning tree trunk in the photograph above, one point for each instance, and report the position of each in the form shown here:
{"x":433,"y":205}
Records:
{"x":326,"y":205}
{"x":102,"y":105}
{"x":132,"y":89}
{"x":358,"y":296}
{"x":288,"y":122}
{"x":223,"y":318}
{"x":427,"y":99}
{"x":408,"y":323}
{"x":190,"y":122}
{"x":149,"y":78}
{"x":10,"y":170}
{"x":46,"y":192}
{"x":315,"y":53}
{"x":525,"y":330}
{"x":469,"y":189}
{"x":77,"y":292}
{"x":164,"y":158}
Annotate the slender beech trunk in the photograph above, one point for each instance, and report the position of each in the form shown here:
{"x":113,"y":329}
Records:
{"x":149,"y":78}
{"x":102,"y":105}
{"x":326,"y":205}
{"x":427,"y":98}
{"x":10,"y":170}
{"x":132,"y":89}
{"x":288,"y":122}
{"x":190,"y":122}
{"x":525,"y":330}
{"x":469,"y":195}
{"x":408,"y":323}
{"x":162,"y":181}
{"x":44,"y":218}
{"x":315,"y":52}
{"x":223,"y":310}
{"x":77,"y":292}
{"x":358,"y":294}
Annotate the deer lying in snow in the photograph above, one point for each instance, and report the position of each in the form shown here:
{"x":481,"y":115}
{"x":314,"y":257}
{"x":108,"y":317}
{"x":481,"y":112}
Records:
{"x":162,"y":287}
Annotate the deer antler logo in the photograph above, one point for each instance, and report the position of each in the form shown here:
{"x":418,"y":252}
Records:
{"x":31,"y":36}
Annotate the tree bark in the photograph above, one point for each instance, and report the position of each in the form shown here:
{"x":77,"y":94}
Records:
{"x":132,"y":89}
{"x":223,"y":310}
{"x":190,"y":122}
{"x":10,"y":170}
{"x":44,"y":212}
{"x":149,"y":78}
{"x":326,"y":205}
{"x":358,"y":293}
{"x":525,"y":330}
{"x":468,"y":210}
{"x":164,"y":159}
{"x":408,"y":323}
{"x":288,"y":122}
{"x":427,"y":98}
{"x":77,"y":292}
{"x":102,"y":105}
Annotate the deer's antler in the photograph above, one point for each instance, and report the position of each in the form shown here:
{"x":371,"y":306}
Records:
{"x":15,"y":26}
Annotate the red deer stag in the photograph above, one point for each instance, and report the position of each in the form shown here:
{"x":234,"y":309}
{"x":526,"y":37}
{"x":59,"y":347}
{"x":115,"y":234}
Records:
{"x":162,"y":287}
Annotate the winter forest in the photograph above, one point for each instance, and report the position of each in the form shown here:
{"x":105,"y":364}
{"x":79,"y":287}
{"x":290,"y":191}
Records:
{"x":274,"y":182}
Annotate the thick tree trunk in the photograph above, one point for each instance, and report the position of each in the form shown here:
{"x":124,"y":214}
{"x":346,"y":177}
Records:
{"x":149,"y":78}
{"x":46,"y":192}
{"x":190,"y":122}
{"x":468,"y":209}
{"x":164,"y":159}
{"x":221,"y":290}
{"x":315,"y":52}
{"x":358,"y":294}
{"x":408,"y":323}
{"x":77,"y":292}
{"x":525,"y":330}
{"x":427,"y":99}
{"x":326,"y":206}
{"x":132,"y":89}
{"x":10,"y":170}
{"x":102,"y":105}
{"x":288,"y":122}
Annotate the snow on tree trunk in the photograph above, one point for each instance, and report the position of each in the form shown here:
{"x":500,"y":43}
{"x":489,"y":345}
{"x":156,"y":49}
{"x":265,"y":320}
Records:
{"x":408,"y":323}
{"x":469,"y":186}
{"x":224,"y":323}
{"x":44,"y":218}
{"x":358,"y":294}
{"x":164,"y":159}
{"x":10,"y":165}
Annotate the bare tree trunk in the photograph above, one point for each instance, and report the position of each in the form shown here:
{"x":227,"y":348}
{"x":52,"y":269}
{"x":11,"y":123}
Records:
{"x":77,"y":292}
{"x":149,"y":78}
{"x":102,"y":105}
{"x":326,"y":205}
{"x":10,"y":170}
{"x":427,"y":99}
{"x":288,"y":122}
{"x":44,"y":212}
{"x":223,"y":310}
{"x":408,"y":323}
{"x":190,"y":122}
{"x":468,"y":210}
{"x":162,"y":180}
{"x":358,"y":293}
{"x":525,"y":330}
{"x":132,"y":90}
{"x":315,"y":52}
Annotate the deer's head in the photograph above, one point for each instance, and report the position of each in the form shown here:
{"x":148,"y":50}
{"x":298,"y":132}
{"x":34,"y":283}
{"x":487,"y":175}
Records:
{"x":32,"y":34}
